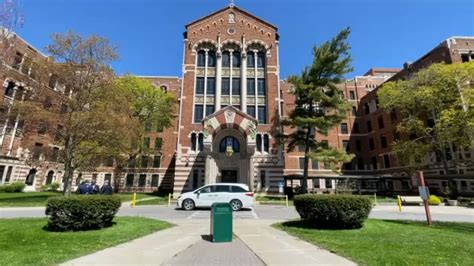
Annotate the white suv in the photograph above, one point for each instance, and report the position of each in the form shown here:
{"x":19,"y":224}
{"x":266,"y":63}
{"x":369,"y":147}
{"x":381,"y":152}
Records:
{"x":237,"y":195}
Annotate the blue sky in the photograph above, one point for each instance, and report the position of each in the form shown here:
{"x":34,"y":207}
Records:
{"x":148,"y":33}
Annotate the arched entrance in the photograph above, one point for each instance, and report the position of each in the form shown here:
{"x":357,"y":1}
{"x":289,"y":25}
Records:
{"x":30,"y":178}
{"x":229,"y":144}
{"x":49,"y":177}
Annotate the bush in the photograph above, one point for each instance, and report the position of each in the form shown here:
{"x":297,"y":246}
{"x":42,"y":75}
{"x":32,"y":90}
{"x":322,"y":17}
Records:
{"x":333,"y":211}
{"x":54,"y":186}
{"x":81,"y":212}
{"x":13,"y":187}
{"x":434,"y":200}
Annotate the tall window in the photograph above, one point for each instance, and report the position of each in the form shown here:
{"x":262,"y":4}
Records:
{"x":158,"y":143}
{"x":260,"y":59}
{"x":266,"y":143}
{"x":225,"y":86}
{"x":198,"y":112}
{"x":146,"y":142}
{"x":156,"y":161}
{"x":144,"y":161}
{"x":236,"y":59}
{"x":250,"y":59}
{"x":30,"y":178}
{"x":235,"y":86}
{"x":201,"y":60}
{"x":200,"y":142}
{"x":154,"y":180}
{"x":344,"y":129}
{"x":262,"y":114}
{"x":258,"y":143}
{"x":314,"y":164}
{"x":200,"y":85}
{"x":386,"y":160}
{"x":193,"y":141}
{"x":369,"y":126}
{"x":261,"y":87}
{"x":380,"y":120}
{"x":209,"y":109}
{"x":371,"y":144}
{"x":374,"y":163}
{"x":211,"y":86}
{"x":17,"y":60}
{"x":142,"y":180}
{"x":129,"y":180}
{"x":225,"y":59}
{"x":10,"y":89}
{"x":383,"y":141}
{"x":301,"y":162}
{"x":354,"y":111}
{"x":351,"y":95}
{"x":345,"y":145}
{"x":211,"y":59}
{"x":358,"y":145}
{"x":250,"y":86}
{"x":251,"y":110}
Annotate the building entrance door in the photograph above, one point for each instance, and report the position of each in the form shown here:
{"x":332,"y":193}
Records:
{"x":229,"y":176}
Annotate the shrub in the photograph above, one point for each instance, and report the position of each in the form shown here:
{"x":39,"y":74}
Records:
{"x":45,"y":187}
{"x":54,"y":186}
{"x":81,"y":212}
{"x":333,"y":211}
{"x":2,"y":189}
{"x":15,"y":187}
{"x":434,"y":200}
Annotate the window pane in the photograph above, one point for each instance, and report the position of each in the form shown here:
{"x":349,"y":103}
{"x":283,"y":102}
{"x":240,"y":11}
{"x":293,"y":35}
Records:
{"x":201,"y":58}
{"x":301,"y":162}
{"x":154,"y":180}
{"x":314,"y":165}
{"x":236,"y":59}
{"x":193,"y":141}
{"x":220,"y":188}
{"x":198,"y":112}
{"x":225,"y":86}
{"x":129,"y":180}
{"x":211,"y":59}
{"x":266,"y":143}
{"x":259,"y":143}
{"x":142,"y":180}
{"x":199,"y":85}
{"x":144,"y":162}
{"x":260,"y":59}
{"x":158,"y":143}
{"x":261,"y":87}
{"x":344,"y":128}
{"x":237,"y":189}
{"x":262,"y":114}
{"x":146,"y":142}
{"x":201,"y":142}
{"x":211,"y":86}
{"x":251,"y":110}
{"x":157,"y":161}
{"x":226,"y":59}
{"x":250,"y":86}
{"x":236,"y":86}
{"x":250,"y":59}
{"x":209,"y":109}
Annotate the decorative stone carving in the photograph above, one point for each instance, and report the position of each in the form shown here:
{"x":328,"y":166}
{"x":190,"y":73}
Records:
{"x":199,"y":99}
{"x":235,"y":99}
{"x":229,"y":116}
{"x":252,"y":129}
{"x":261,"y":100}
{"x":231,"y":18}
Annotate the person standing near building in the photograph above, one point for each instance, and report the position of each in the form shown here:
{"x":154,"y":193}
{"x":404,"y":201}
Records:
{"x":106,"y":188}
{"x":95,"y":188}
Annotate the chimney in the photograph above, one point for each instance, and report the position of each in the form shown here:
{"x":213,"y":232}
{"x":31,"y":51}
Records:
{"x":407,"y":65}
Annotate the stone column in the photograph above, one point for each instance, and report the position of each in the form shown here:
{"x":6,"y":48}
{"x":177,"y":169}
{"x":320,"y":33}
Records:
{"x":205,"y":85}
{"x":255,"y":52}
{"x":230,"y":76}
{"x":217,"y":94}
{"x":243,"y":82}
{"x":207,"y":170}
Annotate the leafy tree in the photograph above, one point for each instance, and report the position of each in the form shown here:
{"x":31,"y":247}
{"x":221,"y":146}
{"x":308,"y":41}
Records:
{"x":436,"y":106}
{"x":80,"y":75}
{"x":319,"y":104}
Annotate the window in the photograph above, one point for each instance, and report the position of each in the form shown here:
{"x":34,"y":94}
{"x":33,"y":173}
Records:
{"x":10,"y":89}
{"x":354,"y":111}
{"x":17,"y":61}
{"x":201,"y":142}
{"x":201,"y":60}
{"x":225,"y":59}
{"x":358,"y":145}
{"x":344,"y":129}
{"x":222,"y":188}
{"x":159,"y":127}
{"x":345,"y":145}
{"x":393,"y":116}
{"x":261,"y":87}
{"x":328,"y":183}
{"x":198,"y":112}
{"x":386,"y":160}
{"x":352,"y":95}
{"x":374,"y":163}
{"x":209,"y":109}
{"x":155,"y":180}
{"x":250,"y":86}
{"x":263,"y":179}
{"x":235,"y":86}
{"x":383,"y":141}
{"x":157,"y":161}
{"x":464,"y":58}
{"x":262,"y":114}
{"x":369,"y":126}
{"x":366,"y":108}
{"x":371,"y":144}
{"x":260,"y":59}
{"x":30,"y":178}
{"x":141,"y":180}
{"x":211,"y":59}
{"x":251,"y":110}
{"x":211,"y":86}
{"x":316,"y":183}
{"x":250,"y":59}
{"x":301,"y":148}
{"x":360,"y":163}
{"x":164,"y":89}
{"x":193,"y":141}
{"x":229,"y":141}
{"x":463,"y":183}
{"x":237,"y":189}
{"x":380,"y":120}
{"x":53,"y":80}
{"x":158,"y":143}
{"x":195,"y":179}
{"x":147,"y":126}
{"x":301,"y":162}
{"x":144,"y":161}
{"x":259,"y":142}
{"x":266,"y":143}
{"x":236,"y":59}
{"x":200,"y":85}
{"x":108,"y":177}
{"x":225,"y":86}
{"x":355,"y":128}
{"x":314,"y":164}
{"x":146,"y":142}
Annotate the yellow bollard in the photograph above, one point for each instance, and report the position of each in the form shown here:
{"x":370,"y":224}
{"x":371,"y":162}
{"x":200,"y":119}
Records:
{"x":399,"y":201}
{"x":286,"y":199}
{"x":134,"y":200}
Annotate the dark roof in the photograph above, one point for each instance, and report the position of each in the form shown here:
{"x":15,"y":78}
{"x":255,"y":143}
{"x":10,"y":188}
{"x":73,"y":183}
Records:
{"x":236,"y":8}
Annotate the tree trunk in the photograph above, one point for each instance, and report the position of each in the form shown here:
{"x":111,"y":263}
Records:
{"x":304,"y":185}
{"x":118,"y":170}
{"x":68,"y":169}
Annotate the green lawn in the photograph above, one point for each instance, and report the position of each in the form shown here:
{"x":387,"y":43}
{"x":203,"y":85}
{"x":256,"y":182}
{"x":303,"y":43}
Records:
{"x":129,"y":196}
{"x":26,"y":199}
{"x":394,"y":242}
{"x":24,"y":241}
{"x":155,"y":201}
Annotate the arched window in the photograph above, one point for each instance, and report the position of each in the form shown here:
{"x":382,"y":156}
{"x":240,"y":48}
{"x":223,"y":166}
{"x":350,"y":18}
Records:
{"x":229,"y":141}
{"x":259,"y":143}
{"x":201,"y":60}
{"x":261,"y":59}
{"x":211,"y":58}
{"x":163,"y":88}
{"x":266,"y":143}
{"x":49,"y":177}
{"x":201,"y":142}
{"x":225,"y":59}
{"x":236,"y":59}
{"x":250,"y":59}
{"x":193,"y":141}
{"x":10,"y":89}
{"x":30,"y":178}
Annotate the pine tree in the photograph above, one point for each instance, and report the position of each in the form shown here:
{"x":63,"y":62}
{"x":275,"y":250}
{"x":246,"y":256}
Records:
{"x":319,"y":104}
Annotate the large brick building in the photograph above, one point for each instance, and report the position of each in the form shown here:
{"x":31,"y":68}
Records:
{"x":230,"y":102}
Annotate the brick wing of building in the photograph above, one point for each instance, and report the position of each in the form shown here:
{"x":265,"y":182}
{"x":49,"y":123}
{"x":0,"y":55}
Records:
{"x":230,"y":102}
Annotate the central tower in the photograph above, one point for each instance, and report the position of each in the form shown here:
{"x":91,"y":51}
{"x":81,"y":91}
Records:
{"x":230,"y":103}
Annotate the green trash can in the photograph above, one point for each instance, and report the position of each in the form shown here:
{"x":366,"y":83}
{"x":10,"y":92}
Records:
{"x":221,"y":222}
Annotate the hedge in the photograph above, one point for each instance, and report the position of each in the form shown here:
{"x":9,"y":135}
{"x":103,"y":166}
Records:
{"x":81,"y":212}
{"x":333,"y":211}
{"x":13,"y":187}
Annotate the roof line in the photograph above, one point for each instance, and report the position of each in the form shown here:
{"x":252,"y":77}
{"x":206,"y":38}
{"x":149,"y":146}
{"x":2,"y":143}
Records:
{"x":146,"y":76}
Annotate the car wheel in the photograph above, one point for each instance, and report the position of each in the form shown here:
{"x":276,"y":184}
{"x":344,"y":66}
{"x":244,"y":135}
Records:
{"x":236,"y":204}
{"x":188,"y":204}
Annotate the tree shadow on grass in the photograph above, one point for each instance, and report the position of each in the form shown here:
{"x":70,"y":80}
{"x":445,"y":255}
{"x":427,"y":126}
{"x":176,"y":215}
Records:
{"x":51,"y":230}
{"x":451,"y":226}
{"x":38,"y":198}
{"x":302,"y":224}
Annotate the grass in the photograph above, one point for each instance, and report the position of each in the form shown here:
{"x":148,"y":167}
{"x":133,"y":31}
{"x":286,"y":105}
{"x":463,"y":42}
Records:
{"x":129,"y":196}
{"x":394,"y":242}
{"x":155,"y":201}
{"x":26,"y":199}
{"x":24,"y":241}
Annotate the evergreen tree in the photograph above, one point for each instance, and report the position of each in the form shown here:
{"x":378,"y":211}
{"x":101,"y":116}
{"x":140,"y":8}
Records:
{"x":319,"y":104}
